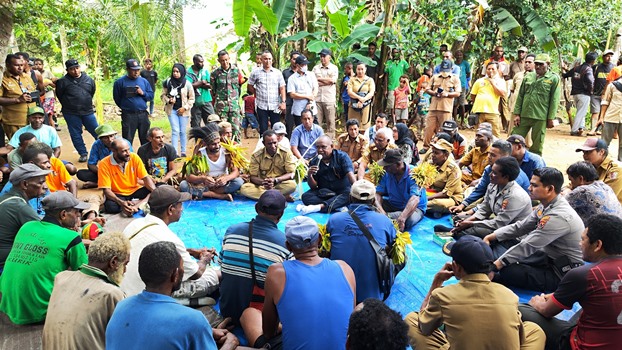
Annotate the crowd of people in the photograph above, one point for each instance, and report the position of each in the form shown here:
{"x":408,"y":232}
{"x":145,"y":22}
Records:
{"x":514,"y":221}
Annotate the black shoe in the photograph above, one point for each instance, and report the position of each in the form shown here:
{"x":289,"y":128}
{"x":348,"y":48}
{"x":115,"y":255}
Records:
{"x":423,"y":151}
{"x":442,"y":228}
{"x":83,"y":158}
{"x":57,"y":127}
{"x":458,"y":235}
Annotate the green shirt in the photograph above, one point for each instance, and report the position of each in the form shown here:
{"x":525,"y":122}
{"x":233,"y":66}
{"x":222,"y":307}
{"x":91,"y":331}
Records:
{"x":201,"y":95}
{"x":395,"y":69}
{"x":538,"y":98}
{"x":15,"y":212}
{"x":41,"y":250}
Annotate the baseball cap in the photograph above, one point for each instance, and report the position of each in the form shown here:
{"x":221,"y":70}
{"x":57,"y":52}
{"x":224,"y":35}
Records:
{"x":450,"y":125}
{"x":485,"y":125}
{"x":271,"y":202}
{"x":279,"y":128}
{"x":214,"y":118}
{"x":608,"y":52}
{"x":443,"y":145}
{"x":35,"y":110}
{"x":446,"y":66}
{"x":104,"y":130}
{"x":470,"y":252}
{"x":132,"y":64}
{"x":523,"y":49}
{"x":542,"y":58}
{"x":301,"y":232}
{"x":517,"y":139}
{"x":71,"y":63}
{"x":484,"y":132}
{"x":391,"y":156}
{"x":325,"y":52}
{"x":592,"y":143}
{"x":302,"y":60}
{"x":363,"y":190}
{"x":25,"y":172}
{"x":62,"y":200}
{"x":165,"y":195}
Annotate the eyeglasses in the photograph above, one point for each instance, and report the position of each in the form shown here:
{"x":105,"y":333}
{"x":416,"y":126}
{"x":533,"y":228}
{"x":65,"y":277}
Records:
{"x":539,"y":64}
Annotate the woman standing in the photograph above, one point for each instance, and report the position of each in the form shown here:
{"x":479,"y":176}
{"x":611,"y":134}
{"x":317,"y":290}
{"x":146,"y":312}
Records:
{"x":178,"y":99}
{"x":361,"y":90}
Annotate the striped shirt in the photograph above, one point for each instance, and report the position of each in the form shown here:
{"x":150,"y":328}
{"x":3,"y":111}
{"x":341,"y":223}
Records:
{"x":267,"y":85}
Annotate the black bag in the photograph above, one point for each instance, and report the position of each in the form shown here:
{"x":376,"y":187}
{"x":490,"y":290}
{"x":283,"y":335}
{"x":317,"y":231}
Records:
{"x":384,"y":264}
{"x":362,"y":94}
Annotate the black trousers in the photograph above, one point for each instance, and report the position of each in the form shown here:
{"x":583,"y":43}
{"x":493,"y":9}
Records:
{"x":133,"y":121}
{"x":85,"y":175}
{"x":112,"y":207}
{"x":557,"y":331}
{"x":332,"y":204}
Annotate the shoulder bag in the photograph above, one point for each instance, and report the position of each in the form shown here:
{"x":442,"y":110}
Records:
{"x":362,"y":94}
{"x":258,"y":294}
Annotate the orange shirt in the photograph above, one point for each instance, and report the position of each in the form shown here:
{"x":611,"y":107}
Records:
{"x":424,"y":79}
{"x":121,"y":181}
{"x":615,"y":73}
{"x":59,"y":177}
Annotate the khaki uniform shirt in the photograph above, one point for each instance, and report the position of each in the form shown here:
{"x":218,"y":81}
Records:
{"x":448,"y":181}
{"x":373,"y":154}
{"x":326,"y":93}
{"x":475,"y":306}
{"x":502,"y":206}
{"x":15,"y":114}
{"x":451,"y":83}
{"x":613,"y":99}
{"x":355,"y":83}
{"x":609,"y":172}
{"x":477,"y":159}
{"x":264,"y":165}
{"x":355,"y":148}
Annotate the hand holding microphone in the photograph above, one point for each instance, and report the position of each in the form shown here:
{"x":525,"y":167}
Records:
{"x":314,"y":168}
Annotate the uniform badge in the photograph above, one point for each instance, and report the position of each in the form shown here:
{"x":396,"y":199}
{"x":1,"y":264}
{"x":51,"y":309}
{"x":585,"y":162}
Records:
{"x":504,"y":204}
{"x":543,"y":221}
{"x":613,"y":175}
{"x":539,"y":212}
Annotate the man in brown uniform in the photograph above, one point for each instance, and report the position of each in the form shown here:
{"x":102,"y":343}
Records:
{"x":15,"y":95}
{"x":596,"y":152}
{"x":447,"y":185}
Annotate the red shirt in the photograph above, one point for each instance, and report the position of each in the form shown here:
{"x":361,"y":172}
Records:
{"x":249,"y":104}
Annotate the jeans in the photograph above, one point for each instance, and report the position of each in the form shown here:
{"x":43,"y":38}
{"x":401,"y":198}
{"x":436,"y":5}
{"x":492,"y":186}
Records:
{"x":179,"y":124}
{"x":74,"y":124}
{"x":132,"y":121}
{"x":151,"y":106}
{"x":249,"y":119}
{"x":263,"y":116}
{"x":197,"y":192}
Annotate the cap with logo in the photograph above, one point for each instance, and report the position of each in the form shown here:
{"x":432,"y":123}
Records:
{"x":517,"y":139}
{"x":279,"y":128}
{"x":71,"y":63}
{"x":443,"y":145}
{"x":301,"y":232}
{"x":592,"y":143}
{"x":450,"y":125}
{"x":62,"y":200}
{"x":542,"y":58}
{"x":35,"y":110}
{"x":302,"y":60}
{"x":132,"y":64}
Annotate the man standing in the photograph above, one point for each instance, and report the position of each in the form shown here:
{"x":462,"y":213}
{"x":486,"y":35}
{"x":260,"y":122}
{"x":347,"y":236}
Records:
{"x":75,"y":93}
{"x":304,"y":306}
{"x":248,"y":249}
{"x":596,"y":152}
{"x":272,"y":167}
{"x":131,"y":93}
{"x":444,"y":88}
{"x":352,"y":142}
{"x":226,"y":89}
{"x":528,"y":161}
{"x":41,"y":250}
{"x":372,"y":70}
{"x":473,"y":306}
{"x":394,"y":69}
{"x":447,"y":55}
{"x":82,"y":301}
{"x":49,"y":83}
{"x":486,"y":93}
{"x":287,"y":73}
{"x":611,"y":113}
{"x":519,"y":64}
{"x":158,"y":157}
{"x":601,"y":71}
{"x":465,"y":82}
{"x":302,"y":87}
{"x":268,"y":86}
{"x":15,"y":96}
{"x":517,"y":79}
{"x":349,"y":244}
{"x":582,"y":78}
{"x":166,"y":203}
{"x":152,"y":77}
{"x":397,"y":195}
{"x":304,"y":137}
{"x":326,"y":97}
{"x":329,"y":177}
{"x":199,"y":77}
{"x":536,"y":103}
{"x":118,"y":177}
{"x":550,"y":238}
{"x":596,"y":287}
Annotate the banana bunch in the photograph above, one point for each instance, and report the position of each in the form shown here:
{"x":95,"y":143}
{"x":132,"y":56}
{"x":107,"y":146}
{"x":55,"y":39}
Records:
{"x":325,"y":242}
{"x":195,"y":165}
{"x":236,"y":152}
{"x":301,"y":171}
{"x":376,"y":172}
{"x":424,"y":174}
{"x":398,"y":251}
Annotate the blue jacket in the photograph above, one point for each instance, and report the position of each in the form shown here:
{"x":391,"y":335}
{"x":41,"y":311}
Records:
{"x":131,"y":104}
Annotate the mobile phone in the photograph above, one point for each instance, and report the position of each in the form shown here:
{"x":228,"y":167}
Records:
{"x":35,"y":95}
{"x":130,"y":91}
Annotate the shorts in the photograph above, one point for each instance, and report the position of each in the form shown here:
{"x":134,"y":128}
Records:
{"x":401,"y":113}
{"x":595,"y":103}
{"x":461,"y":100}
{"x":391,"y":99}
{"x":249,"y":119}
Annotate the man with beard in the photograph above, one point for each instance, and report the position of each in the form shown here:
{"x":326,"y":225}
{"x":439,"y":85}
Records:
{"x":118,"y":177}
{"x":131,"y":93}
{"x":200,"y":79}
{"x":41,"y":250}
{"x":518,"y":65}
{"x":82,"y":301}
{"x":158,"y":156}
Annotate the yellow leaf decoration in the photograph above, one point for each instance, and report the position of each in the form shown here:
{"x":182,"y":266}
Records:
{"x":326,"y":244}
{"x":424,"y":174}
{"x":398,"y":251}
{"x":236,"y":152}
{"x":376,"y":172}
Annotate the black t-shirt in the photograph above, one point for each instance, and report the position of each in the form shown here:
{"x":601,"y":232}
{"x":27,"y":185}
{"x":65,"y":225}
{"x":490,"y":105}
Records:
{"x":600,"y":77}
{"x":157,"y":164}
{"x":151,"y":76}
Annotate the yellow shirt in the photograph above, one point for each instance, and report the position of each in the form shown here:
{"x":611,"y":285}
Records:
{"x":477,"y":159}
{"x":264,"y":165}
{"x":609,"y":173}
{"x":124,"y":181}
{"x":486,"y":99}
{"x":12,"y":87}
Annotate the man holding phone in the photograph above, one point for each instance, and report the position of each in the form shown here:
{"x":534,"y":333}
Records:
{"x":131,"y":93}
{"x":15,"y":96}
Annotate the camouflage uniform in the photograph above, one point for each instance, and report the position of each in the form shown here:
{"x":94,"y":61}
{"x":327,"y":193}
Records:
{"x":226,"y":88}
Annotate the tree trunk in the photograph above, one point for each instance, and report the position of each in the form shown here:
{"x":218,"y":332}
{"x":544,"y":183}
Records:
{"x":63,"y":43}
{"x":379,"y":99}
{"x":181,"y":36}
{"x":6,"y":30}
{"x":302,"y":21}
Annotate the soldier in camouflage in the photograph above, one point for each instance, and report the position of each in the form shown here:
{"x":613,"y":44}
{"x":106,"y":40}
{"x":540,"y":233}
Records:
{"x":225,"y":81}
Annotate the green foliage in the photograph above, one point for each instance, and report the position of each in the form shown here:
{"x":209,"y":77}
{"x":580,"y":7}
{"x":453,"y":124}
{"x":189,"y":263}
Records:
{"x":284,"y":11}
{"x":242,"y":16}
{"x":507,"y":22}
{"x":265,"y":16}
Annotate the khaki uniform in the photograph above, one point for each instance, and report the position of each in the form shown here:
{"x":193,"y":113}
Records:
{"x":373,"y":154}
{"x":354,"y":149}
{"x":263,"y":165}
{"x":448,"y":182}
{"x":440,"y":107}
{"x":14,"y":116}
{"x":610,"y":172}
{"x":477,"y":314}
{"x":354,"y":84}
{"x":478,"y":160}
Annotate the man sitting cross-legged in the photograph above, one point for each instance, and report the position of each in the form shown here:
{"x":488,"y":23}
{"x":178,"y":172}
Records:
{"x":158,"y":157}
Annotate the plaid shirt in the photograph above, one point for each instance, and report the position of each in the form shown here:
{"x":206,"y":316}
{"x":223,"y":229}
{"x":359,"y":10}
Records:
{"x":267,"y":84}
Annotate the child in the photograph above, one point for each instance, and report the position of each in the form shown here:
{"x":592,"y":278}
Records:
{"x":249,"y":114}
{"x":402,"y":94}
{"x":345,"y":98}
{"x":422,"y":108}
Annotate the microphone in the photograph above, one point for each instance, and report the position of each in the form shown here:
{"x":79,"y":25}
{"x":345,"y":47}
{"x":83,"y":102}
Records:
{"x":319,"y":159}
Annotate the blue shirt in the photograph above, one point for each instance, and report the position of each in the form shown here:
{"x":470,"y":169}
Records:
{"x":345,"y":97}
{"x":531,"y":162}
{"x":350,"y":245}
{"x":45,"y":134}
{"x":156,"y":321}
{"x":131,"y":104}
{"x":522,"y":180}
{"x":465,"y":73}
{"x":305,"y":139}
{"x":399,"y":191}
{"x":333,"y":176}
{"x":99,"y":151}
